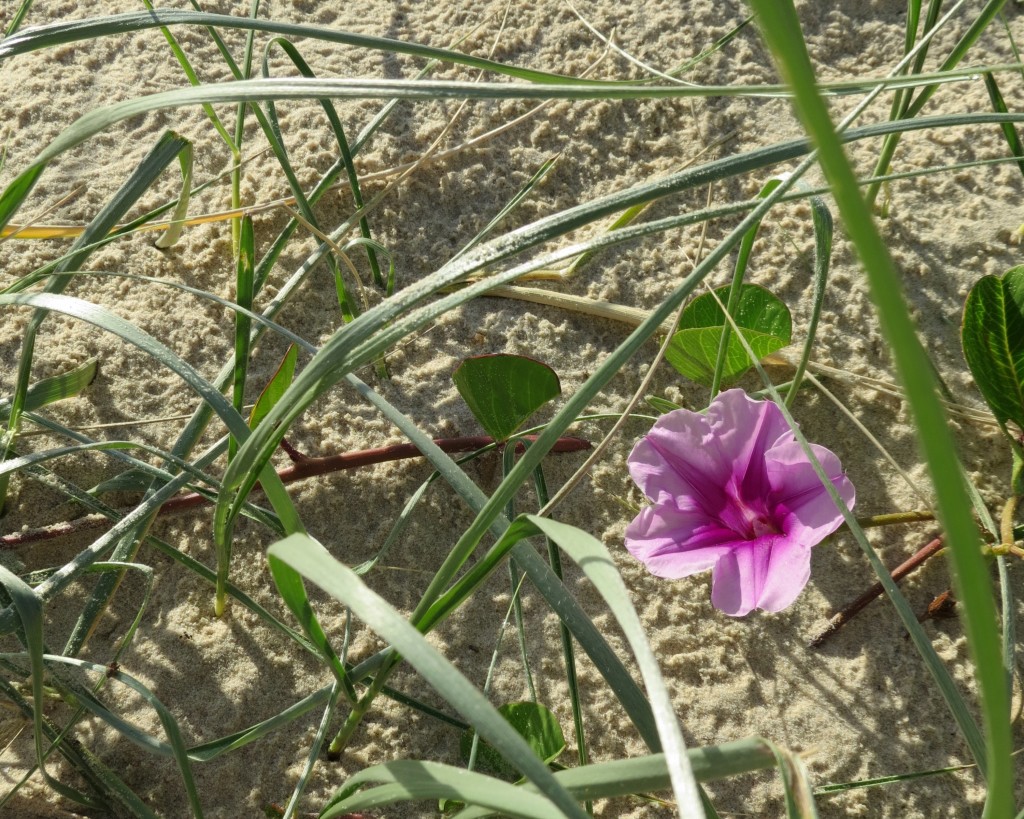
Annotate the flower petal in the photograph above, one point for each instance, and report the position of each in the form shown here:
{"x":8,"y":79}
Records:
{"x":802,"y":505}
{"x":744,"y":430}
{"x":676,"y":463}
{"x":767,"y":573}
{"x":676,"y":544}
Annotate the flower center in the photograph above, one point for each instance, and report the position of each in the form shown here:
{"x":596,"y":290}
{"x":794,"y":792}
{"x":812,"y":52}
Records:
{"x":754,"y":523}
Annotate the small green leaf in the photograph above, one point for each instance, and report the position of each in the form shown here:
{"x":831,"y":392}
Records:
{"x":763,"y":317}
{"x":661,"y":405}
{"x":534,"y":723}
{"x":275,"y":389}
{"x":993,"y":341}
{"x":504,"y":390}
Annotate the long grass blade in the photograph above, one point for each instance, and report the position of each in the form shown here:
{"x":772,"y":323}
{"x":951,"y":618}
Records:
{"x":307,"y":557}
{"x":781,"y":29}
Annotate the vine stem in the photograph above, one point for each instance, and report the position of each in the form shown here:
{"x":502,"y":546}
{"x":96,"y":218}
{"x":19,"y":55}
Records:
{"x":850,"y":610}
{"x":302,"y":467}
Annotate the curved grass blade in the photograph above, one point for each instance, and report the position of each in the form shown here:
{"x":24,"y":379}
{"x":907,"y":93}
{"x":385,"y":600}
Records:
{"x":110,"y":790}
{"x":236,"y":425}
{"x":166,"y":148}
{"x":540,"y":574}
{"x":180,"y":212}
{"x":175,"y":746}
{"x":616,"y":778}
{"x":29,"y":611}
{"x":56,"y":388}
{"x":343,"y":147}
{"x":300,"y":553}
{"x":593,"y":558}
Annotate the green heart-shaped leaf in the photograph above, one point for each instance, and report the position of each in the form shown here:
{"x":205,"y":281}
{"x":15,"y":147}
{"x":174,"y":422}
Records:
{"x":504,"y":390}
{"x":763,"y":317}
{"x":993,"y":341}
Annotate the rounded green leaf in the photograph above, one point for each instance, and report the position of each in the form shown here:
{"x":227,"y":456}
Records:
{"x":993,"y":341}
{"x":534,"y":723}
{"x":504,"y":390}
{"x":763,"y":317}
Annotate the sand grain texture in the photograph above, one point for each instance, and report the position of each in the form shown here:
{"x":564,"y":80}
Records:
{"x":861,"y":707}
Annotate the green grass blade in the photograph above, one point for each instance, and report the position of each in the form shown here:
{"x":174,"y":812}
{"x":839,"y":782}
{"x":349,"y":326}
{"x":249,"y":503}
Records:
{"x":244,"y":287}
{"x":174,"y":747}
{"x":193,"y":78}
{"x":312,"y":561}
{"x":293,"y":593}
{"x":19,"y":15}
{"x":736,"y":287}
{"x":272,"y":131}
{"x":29,"y":609}
{"x":510,"y":206}
{"x":616,"y":778}
{"x":180,"y":213}
{"x":166,"y":148}
{"x":781,"y":29}
{"x":821,"y":216}
{"x":110,"y":790}
{"x":414,"y":780}
{"x":91,"y":29}
{"x":593,"y":558}
{"x":999,"y":105}
{"x":56,"y":388}
{"x":540,"y":574}
{"x":343,"y":147}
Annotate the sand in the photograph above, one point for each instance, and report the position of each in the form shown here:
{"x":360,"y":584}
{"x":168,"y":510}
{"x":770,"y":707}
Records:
{"x":863,"y":706}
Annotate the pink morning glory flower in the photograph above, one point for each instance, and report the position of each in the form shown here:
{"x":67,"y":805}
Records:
{"x":732,"y":491}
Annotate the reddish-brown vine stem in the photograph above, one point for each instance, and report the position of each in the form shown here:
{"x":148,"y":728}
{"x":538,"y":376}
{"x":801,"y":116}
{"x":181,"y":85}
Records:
{"x":302,"y":467}
{"x":850,"y":610}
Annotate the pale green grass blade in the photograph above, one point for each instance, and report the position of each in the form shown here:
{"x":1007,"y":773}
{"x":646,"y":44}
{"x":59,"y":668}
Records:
{"x":540,"y":574}
{"x":602,"y":780}
{"x":101,"y":779}
{"x":313,"y":754}
{"x":568,"y":651}
{"x":343,"y":147}
{"x":272,"y":131}
{"x":56,"y":388}
{"x":514,"y":202}
{"x":821,"y":217}
{"x":174,"y":747}
{"x":193,"y":79}
{"x":165,"y":150}
{"x":413,"y":780}
{"x":911,"y":108}
{"x":782,"y":31}
{"x":91,"y":29}
{"x":29,"y":611}
{"x":593,"y":558}
{"x":304,"y":555}
{"x":180,"y":212}
{"x":293,"y":592}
